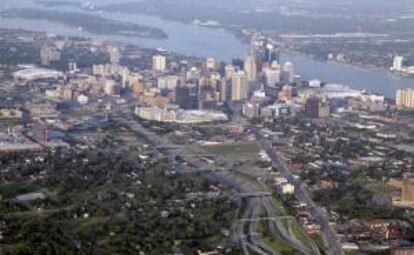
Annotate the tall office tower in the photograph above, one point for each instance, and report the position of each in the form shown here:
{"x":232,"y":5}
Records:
{"x":250,"y":67}
{"x":272,"y":76}
{"x":398,"y":63}
{"x":316,"y":108}
{"x":169,"y":82}
{"x":186,"y":96}
{"x":239,"y":86}
{"x":405,"y":98}
{"x":49,"y":54}
{"x":183,"y":96}
{"x":211,"y":64}
{"x":288,"y":72}
{"x":125,"y":75}
{"x":159,"y":63}
{"x":229,"y":70}
{"x":222,"y":88}
{"x":272,"y":53}
{"x":268,"y":52}
{"x":114,"y":55}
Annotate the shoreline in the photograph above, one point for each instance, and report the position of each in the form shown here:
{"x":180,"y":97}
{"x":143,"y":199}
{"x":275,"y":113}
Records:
{"x":96,"y":24}
{"x":237,"y":32}
{"x":353,"y":65}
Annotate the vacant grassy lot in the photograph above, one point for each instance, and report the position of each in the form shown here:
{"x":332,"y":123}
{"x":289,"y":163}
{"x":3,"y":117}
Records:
{"x":232,"y":149}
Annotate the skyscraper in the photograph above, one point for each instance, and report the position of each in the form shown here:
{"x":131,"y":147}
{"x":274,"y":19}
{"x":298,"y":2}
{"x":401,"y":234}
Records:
{"x":271,"y":53}
{"x":229,"y":71}
{"x":159,"y":63}
{"x":114,"y":55}
{"x":222,"y":88}
{"x":405,"y":98}
{"x":250,"y":67}
{"x":239,"y":86}
{"x":211,"y":64}
{"x":272,"y":76}
{"x":288,"y":72}
{"x":316,"y":108}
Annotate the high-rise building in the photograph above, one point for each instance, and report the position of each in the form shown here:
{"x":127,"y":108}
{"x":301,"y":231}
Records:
{"x":168,"y":82}
{"x":229,"y":71}
{"x":316,"y":108}
{"x":398,"y":63}
{"x":159,"y":63}
{"x":125,"y":75}
{"x":222,"y":88}
{"x":250,"y":67}
{"x":239,"y":86}
{"x":405,"y":98}
{"x":272,"y":76}
{"x":186,"y":96}
{"x":288,"y":72}
{"x":114,"y":55}
{"x":271,"y":53}
{"x":49,"y":54}
{"x":211,"y":64}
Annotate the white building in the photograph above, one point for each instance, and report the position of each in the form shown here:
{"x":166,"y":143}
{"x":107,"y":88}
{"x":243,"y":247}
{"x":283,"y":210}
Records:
{"x":250,"y":67}
{"x":178,"y":115}
{"x":398,"y":63}
{"x":114,"y":55}
{"x":287,"y":188}
{"x":159,"y":63}
{"x":315,"y":83}
{"x":405,"y":98}
{"x":31,"y":73}
{"x":211,"y":63}
{"x":272,"y":76}
{"x":229,"y":70}
{"x":83,"y":100}
{"x":288,"y":72}
{"x":156,"y":114}
{"x":167,"y":82}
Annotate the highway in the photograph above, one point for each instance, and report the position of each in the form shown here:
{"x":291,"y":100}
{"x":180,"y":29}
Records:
{"x":329,"y":235}
{"x":261,"y":209}
{"x":256,"y":200}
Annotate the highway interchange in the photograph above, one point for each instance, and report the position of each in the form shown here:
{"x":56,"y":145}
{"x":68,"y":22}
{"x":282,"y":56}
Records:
{"x":256,"y":212}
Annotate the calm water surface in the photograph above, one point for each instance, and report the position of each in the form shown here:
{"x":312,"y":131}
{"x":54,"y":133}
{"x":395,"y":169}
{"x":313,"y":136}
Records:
{"x":199,"y":41}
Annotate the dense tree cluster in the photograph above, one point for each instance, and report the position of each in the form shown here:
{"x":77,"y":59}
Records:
{"x":108,"y":202}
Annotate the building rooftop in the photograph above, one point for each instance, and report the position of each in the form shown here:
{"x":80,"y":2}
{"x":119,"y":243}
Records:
{"x":34,"y":73}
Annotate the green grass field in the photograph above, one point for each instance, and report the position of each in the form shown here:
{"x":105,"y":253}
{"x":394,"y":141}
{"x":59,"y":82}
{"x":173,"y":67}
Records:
{"x":232,"y":149}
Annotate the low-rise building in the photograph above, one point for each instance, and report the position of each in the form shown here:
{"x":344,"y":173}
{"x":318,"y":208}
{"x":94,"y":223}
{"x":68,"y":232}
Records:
{"x":179,"y":115}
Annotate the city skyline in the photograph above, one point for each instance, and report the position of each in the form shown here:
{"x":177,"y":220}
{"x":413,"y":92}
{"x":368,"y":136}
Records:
{"x":183,"y":127}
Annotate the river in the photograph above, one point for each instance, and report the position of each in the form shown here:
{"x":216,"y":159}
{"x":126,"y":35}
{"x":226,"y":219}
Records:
{"x":201,"y":41}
